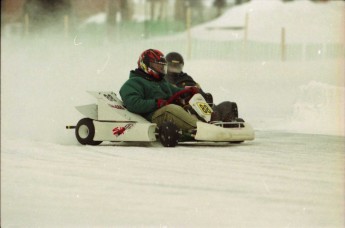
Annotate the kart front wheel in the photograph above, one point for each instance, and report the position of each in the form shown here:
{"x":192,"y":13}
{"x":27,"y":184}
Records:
{"x":85,"y":131}
{"x":168,"y":134}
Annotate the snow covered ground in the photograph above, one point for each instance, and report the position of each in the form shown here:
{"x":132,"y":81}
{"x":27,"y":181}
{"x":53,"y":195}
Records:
{"x":291,"y":175}
{"x":279,"y":180}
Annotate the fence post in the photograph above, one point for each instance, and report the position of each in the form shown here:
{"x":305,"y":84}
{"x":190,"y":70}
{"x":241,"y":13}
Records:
{"x":245,"y":37}
{"x":189,"y":36}
{"x":283,"y":45}
{"x":26,"y":25}
{"x":145,"y":20}
{"x":246,"y":20}
{"x":66,"y":25}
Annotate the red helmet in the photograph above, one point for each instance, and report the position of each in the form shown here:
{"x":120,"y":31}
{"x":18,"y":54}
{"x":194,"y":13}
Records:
{"x":153,"y":63}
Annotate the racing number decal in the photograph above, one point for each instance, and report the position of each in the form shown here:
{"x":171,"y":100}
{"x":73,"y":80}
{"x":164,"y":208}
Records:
{"x":204,"y":108}
{"x":117,"y":106}
{"x":109,"y":97}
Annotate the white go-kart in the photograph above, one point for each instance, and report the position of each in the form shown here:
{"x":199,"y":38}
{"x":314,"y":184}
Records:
{"x":109,"y":120}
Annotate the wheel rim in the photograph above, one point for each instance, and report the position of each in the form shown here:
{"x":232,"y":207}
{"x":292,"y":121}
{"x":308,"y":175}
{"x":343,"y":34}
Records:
{"x":83,"y":131}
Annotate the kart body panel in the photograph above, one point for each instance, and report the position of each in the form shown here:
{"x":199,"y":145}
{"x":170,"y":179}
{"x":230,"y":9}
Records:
{"x":113,"y":122}
{"x":211,"y":132}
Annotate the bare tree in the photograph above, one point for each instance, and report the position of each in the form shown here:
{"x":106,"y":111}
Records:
{"x":46,"y":14}
{"x":112,"y":8}
{"x":197,"y":10}
{"x":121,"y":7}
{"x":220,"y":4}
{"x":180,"y":10}
{"x":153,"y":6}
{"x":126,"y":10}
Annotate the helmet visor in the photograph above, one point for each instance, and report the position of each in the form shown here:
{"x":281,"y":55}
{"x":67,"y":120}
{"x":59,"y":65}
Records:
{"x":159,"y":67}
{"x":175,"y":67}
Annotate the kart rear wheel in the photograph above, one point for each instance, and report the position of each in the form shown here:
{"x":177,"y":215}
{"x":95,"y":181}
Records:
{"x":85,"y":131}
{"x":168,"y":134}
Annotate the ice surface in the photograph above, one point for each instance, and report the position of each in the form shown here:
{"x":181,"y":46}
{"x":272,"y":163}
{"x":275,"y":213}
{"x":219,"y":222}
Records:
{"x":278,"y":180}
{"x":292,"y":175}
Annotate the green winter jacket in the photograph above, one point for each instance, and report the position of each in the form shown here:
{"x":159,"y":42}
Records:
{"x":141,"y":92}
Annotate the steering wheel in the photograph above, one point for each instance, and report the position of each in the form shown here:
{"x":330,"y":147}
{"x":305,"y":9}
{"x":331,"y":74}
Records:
{"x":178,"y":98}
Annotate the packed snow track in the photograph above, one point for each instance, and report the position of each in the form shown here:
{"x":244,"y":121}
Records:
{"x":278,"y":180}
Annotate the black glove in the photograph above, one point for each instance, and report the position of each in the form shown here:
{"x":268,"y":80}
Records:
{"x":208,"y":97}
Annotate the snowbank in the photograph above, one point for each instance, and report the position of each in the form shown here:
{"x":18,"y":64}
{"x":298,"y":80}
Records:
{"x":319,"y":110}
{"x":285,"y":96}
{"x":304,"y":22}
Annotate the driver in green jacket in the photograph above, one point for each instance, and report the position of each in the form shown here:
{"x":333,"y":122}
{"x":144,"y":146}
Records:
{"x":146,"y":92}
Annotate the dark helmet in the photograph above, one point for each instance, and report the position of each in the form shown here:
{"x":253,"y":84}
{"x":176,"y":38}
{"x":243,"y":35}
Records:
{"x":175,"y":62}
{"x":153,"y":63}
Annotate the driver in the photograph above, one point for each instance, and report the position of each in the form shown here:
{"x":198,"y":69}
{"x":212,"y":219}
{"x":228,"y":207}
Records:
{"x":146,"y":92}
{"x":226,"y":111}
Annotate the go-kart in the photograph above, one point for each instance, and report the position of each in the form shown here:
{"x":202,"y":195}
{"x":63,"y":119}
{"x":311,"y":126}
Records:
{"x":109,"y":120}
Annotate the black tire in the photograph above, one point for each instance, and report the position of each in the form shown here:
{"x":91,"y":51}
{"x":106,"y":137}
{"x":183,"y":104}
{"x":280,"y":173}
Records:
{"x":168,"y":134}
{"x":85,"y":131}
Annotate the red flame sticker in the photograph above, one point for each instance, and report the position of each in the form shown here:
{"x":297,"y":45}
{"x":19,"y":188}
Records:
{"x":121,"y":130}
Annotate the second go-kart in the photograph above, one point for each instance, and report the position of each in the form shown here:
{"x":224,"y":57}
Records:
{"x":109,"y":120}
